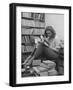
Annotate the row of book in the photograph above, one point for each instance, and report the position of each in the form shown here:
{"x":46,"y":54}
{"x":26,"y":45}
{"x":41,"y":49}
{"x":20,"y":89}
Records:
{"x":26,"y":31}
{"x":32,"y":31}
{"x":26,"y":14}
{"x":35,"y":16}
{"x":32,"y":23}
{"x":28,"y":40}
{"x":25,"y":39}
{"x":27,"y":49}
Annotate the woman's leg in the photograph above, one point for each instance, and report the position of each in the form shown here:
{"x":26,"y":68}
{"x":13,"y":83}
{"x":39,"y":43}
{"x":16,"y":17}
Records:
{"x":37,"y":53}
{"x":26,"y":60}
{"x":50,"y":54}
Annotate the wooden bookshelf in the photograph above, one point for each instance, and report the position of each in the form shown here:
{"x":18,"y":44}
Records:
{"x":32,"y":24}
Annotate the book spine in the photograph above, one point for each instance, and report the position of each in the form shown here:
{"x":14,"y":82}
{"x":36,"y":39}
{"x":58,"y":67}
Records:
{"x":23,"y":39}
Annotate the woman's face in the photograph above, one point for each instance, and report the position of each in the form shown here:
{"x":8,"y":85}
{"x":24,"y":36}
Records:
{"x":49,"y":33}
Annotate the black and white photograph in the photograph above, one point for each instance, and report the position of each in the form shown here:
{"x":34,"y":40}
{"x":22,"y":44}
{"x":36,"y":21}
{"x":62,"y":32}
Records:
{"x":40,"y":44}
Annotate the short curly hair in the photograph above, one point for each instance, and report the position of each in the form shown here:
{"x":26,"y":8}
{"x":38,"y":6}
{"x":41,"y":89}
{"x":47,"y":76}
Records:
{"x":50,"y":28}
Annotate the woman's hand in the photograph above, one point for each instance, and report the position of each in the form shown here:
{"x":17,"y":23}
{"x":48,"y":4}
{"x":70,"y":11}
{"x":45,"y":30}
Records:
{"x":41,"y":39}
{"x":47,"y":41}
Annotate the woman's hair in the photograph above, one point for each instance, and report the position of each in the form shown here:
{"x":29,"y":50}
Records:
{"x":50,"y":28}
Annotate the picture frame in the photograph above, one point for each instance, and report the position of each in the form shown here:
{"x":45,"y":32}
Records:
{"x":36,"y":17}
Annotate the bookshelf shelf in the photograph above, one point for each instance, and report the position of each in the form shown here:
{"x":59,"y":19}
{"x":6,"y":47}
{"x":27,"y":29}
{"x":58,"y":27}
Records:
{"x":30,"y":27}
{"x":26,"y":53}
{"x":31,"y":34}
{"x":27,"y":44}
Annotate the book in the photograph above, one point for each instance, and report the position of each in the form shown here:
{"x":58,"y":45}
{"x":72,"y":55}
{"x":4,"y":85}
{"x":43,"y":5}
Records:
{"x":27,"y":39}
{"x":23,"y":39}
{"x":23,"y":48}
{"x":45,"y":73}
{"x":36,"y":62}
{"x":48,"y":62}
{"x":39,"y":69}
{"x":52,"y":72}
{"x":48,"y":66}
{"x":42,"y":17}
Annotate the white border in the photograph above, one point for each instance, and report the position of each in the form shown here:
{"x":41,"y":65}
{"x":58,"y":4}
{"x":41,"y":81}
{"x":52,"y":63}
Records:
{"x":19,"y":79}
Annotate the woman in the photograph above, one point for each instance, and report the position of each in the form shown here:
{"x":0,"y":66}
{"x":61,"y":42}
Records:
{"x":43,"y":48}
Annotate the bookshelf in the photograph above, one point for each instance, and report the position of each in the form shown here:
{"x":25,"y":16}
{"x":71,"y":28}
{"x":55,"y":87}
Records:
{"x":32,"y":26}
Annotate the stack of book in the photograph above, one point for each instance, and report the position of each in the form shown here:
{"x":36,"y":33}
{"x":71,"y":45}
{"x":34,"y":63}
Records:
{"x":46,"y":68}
{"x":41,"y":71}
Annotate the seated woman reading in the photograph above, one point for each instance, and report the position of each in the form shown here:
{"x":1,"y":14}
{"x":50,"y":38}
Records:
{"x":43,"y":48}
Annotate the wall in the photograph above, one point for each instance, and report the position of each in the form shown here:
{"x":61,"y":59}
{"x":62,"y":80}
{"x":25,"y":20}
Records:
{"x":57,"y":22}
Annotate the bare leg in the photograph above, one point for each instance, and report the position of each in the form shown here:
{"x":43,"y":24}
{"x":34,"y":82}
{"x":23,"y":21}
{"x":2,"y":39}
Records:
{"x":30,"y":60}
{"x":38,"y":52}
{"x":26,"y":60}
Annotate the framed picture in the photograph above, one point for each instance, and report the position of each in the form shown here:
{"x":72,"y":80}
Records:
{"x":40,"y":44}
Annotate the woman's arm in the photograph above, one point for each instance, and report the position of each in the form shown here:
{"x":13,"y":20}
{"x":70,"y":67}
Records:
{"x":46,"y":42}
